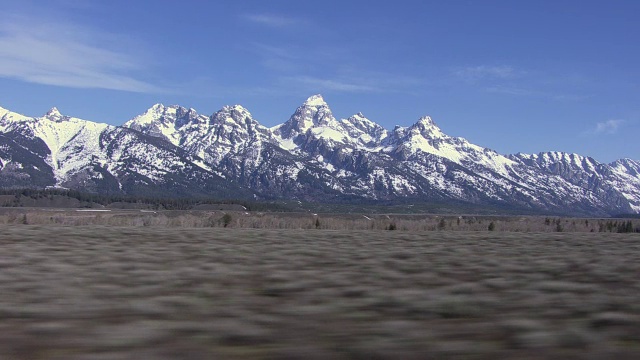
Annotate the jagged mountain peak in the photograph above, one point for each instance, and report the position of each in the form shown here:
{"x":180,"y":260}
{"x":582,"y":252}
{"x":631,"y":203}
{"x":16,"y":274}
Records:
{"x":160,"y":113}
{"x":558,"y":160}
{"x":367,"y":131}
{"x":315,"y":100}
{"x":6,"y":113}
{"x":427,"y":128}
{"x":236,"y":114}
{"x":627,"y":161}
{"x":359,"y":118}
{"x":161,"y":108}
{"x":317,"y":111}
{"x":238,"y":107}
{"x":235,"y":108}
{"x":165,"y":121}
{"x":314,"y":112}
{"x":359,"y":121}
{"x":152,"y":113}
{"x":54,"y":114}
{"x":560,"y":156}
{"x":9,"y":118}
{"x":627,"y":165}
{"x":426,"y":120}
{"x":322,"y":158}
{"x":157,"y":107}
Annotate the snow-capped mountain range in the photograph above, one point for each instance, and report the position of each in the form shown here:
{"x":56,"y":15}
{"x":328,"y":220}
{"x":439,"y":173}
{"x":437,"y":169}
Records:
{"x":312,"y":156}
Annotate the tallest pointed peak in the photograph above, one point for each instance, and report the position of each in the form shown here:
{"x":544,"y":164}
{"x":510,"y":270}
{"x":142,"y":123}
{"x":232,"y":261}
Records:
{"x":315,"y":100}
{"x":53,"y":112}
{"x":428,"y":128}
{"x":426,"y":121}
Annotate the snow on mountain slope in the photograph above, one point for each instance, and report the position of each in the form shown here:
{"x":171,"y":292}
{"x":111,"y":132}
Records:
{"x":560,"y":161}
{"x":314,"y":112}
{"x":627,"y":166}
{"x":313,"y":119}
{"x":311,"y":156}
{"x":22,"y":161}
{"x":614,"y":184}
{"x":230,"y":132}
{"x":426,"y":136}
{"x":168,"y":122}
{"x":72,"y":142}
{"x":579,"y":170}
{"x":7,"y":118}
{"x":232,"y":141}
{"x":626,"y":179}
{"x":366,"y":133}
{"x":356,"y":156}
{"x":101,"y":157}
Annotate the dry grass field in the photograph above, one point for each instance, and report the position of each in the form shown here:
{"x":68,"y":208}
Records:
{"x":108,"y":292}
{"x":290,"y":220}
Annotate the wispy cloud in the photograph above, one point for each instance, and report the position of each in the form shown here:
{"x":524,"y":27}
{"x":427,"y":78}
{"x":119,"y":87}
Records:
{"x":327,"y":68}
{"x":608,"y":127}
{"x":290,"y":57}
{"x":511,"y":81}
{"x":475,"y":73}
{"x":340,"y":85}
{"x":278,"y":58}
{"x":274,"y":51}
{"x":571,"y":97}
{"x":272,"y":20}
{"x":55,"y":53}
{"x":510,"y":90}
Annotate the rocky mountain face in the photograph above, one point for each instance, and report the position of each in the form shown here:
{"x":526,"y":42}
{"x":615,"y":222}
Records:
{"x":171,"y":150}
{"x":57,"y":150}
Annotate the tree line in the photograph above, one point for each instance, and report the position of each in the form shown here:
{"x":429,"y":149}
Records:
{"x":155,"y":203}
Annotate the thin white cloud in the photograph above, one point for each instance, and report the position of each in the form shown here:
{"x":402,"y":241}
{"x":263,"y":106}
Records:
{"x":278,"y":58}
{"x":509,"y":90}
{"x":331,"y":84}
{"x":272,"y":20}
{"x":54,"y":53}
{"x":474,"y":73}
{"x":275,"y":51}
{"x":608,"y":127}
{"x":571,"y":97}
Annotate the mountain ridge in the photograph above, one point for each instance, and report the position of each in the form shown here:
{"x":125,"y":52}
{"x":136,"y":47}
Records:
{"x":312,"y":157}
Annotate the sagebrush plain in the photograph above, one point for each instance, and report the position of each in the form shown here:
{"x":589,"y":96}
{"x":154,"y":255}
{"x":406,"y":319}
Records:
{"x":158,"y":292}
{"x":307,"y":220}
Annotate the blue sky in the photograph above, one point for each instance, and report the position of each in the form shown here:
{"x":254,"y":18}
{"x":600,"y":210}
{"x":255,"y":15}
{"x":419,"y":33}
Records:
{"x":514,"y":76}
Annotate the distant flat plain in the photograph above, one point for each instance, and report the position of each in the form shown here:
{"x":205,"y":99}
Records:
{"x":308,"y":220}
{"x":159,"y":292}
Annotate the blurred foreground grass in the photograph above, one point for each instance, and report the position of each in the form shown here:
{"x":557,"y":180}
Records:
{"x":215,"y":293}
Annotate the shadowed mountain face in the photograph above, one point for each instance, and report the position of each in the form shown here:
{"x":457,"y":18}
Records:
{"x":174,"y":151}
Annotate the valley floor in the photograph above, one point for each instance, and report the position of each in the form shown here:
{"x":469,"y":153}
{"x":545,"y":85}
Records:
{"x":308,"y":220}
{"x":98,"y":292}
